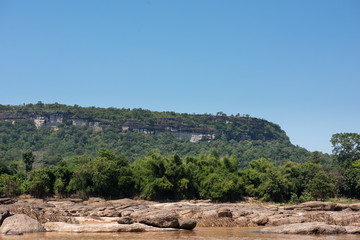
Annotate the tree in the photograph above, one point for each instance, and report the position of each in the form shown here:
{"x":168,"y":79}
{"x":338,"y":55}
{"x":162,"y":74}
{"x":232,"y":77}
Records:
{"x":63,"y":176}
{"x":316,"y":157}
{"x":28,"y":158}
{"x":346,"y":148}
{"x":321,"y":186}
{"x":264,"y":180}
{"x":9,"y":185}
{"x":41,"y":182}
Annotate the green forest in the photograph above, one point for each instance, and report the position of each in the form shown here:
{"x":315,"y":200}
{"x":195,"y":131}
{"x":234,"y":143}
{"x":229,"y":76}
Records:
{"x":80,"y":161}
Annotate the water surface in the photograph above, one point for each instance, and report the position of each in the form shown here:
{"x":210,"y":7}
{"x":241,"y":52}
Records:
{"x":197,"y":234}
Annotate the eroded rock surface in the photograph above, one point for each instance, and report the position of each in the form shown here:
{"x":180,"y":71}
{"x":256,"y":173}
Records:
{"x":307,"y":228}
{"x":133,"y":215}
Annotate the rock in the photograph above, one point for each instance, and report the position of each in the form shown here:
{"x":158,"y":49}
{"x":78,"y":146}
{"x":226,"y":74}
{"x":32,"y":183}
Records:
{"x":317,"y":206}
{"x":102,"y":228}
{"x":261,"y":220}
{"x":209,"y":213}
{"x":242,"y":222}
{"x":352,"y":230}
{"x":162,"y":218}
{"x":19,"y":224}
{"x":305,"y":228}
{"x":187,"y":224}
{"x":125,"y":220}
{"x":126,"y":212}
{"x":6,"y":201}
{"x":355,"y":206}
{"x":224,"y":212}
{"x":242,"y":213}
{"x":280,"y":219}
{"x":341,"y":207}
{"x":4,"y":214}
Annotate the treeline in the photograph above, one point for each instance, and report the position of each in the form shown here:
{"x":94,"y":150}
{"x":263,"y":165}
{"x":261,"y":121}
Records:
{"x":112,"y":113}
{"x":204,"y":176}
{"x":51,"y":146}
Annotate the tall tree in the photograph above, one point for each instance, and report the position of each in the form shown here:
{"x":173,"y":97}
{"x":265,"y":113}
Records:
{"x":346,"y":148}
{"x":28,"y":158}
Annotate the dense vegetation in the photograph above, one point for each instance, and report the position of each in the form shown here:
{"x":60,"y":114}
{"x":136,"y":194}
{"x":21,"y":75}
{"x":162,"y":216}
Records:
{"x":205,"y":176}
{"x":82,"y":161}
{"x":51,"y":146}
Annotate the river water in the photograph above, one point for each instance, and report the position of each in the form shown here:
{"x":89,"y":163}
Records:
{"x":197,"y":234}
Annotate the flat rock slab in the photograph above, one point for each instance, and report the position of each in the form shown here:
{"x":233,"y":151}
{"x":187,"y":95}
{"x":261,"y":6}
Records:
{"x":19,"y":224}
{"x":101,"y":228}
{"x":307,"y":228}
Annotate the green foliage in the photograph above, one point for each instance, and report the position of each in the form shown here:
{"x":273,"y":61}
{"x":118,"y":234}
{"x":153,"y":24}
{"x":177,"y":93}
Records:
{"x":265,"y":181}
{"x":262,"y":138}
{"x":40,"y":183}
{"x":105,"y":175}
{"x":63,"y":174}
{"x":294,"y":198}
{"x":306,"y":197}
{"x":321,"y":186}
{"x":204,"y":176}
{"x":9,"y":185}
{"x":28,"y":158}
{"x":346,"y":149}
{"x":5,"y":169}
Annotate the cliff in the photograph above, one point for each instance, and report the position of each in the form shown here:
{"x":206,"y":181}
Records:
{"x":185,"y":126}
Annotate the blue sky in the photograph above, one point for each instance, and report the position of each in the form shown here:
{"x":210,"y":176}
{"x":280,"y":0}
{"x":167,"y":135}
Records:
{"x":295,"y":63}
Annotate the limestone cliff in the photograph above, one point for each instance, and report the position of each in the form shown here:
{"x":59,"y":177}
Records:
{"x":191,"y":127}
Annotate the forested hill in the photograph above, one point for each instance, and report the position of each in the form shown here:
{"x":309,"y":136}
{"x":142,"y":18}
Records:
{"x":237,"y":128}
{"x":56,"y":131}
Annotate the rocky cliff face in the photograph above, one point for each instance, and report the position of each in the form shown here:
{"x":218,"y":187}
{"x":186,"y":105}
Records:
{"x":194,"y":129}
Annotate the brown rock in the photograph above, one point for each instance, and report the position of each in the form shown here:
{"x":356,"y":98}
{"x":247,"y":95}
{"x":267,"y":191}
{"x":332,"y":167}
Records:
{"x":352,"y":229}
{"x":355,"y":206}
{"x":317,"y":206}
{"x":4,"y":214}
{"x":280,"y":219}
{"x":104,"y":227}
{"x":260,"y":220}
{"x":125,"y":220}
{"x":162,"y":218}
{"x":305,"y":228}
{"x":6,"y":201}
{"x":19,"y":224}
{"x":187,"y":223}
{"x":224,"y":212}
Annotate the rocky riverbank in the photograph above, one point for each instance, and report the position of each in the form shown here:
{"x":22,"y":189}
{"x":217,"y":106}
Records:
{"x":127,"y":215}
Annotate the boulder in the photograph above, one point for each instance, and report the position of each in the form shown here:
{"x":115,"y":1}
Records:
{"x":19,"y":224}
{"x":125,"y":220}
{"x":224,"y":212}
{"x":4,"y":214}
{"x":187,"y":224}
{"x":260,"y":220}
{"x":305,"y":228}
{"x":162,"y":219}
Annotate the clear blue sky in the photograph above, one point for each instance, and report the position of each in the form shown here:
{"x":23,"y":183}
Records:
{"x":295,"y":63}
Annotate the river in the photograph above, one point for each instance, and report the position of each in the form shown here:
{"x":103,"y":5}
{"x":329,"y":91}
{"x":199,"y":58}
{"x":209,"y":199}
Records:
{"x":197,"y":234}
